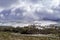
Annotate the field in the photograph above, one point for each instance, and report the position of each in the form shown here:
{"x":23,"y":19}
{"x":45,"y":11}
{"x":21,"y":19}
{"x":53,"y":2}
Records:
{"x":10,"y":36}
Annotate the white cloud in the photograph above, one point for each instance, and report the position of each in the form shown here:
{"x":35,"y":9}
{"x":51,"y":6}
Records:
{"x":43,"y":23}
{"x":29,"y":7}
{"x":37,"y":6}
{"x":50,"y":11}
{"x":1,"y":9}
{"x":1,"y":15}
{"x":55,"y":3}
{"x":18,"y":14}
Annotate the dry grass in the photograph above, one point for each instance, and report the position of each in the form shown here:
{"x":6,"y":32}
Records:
{"x":9,"y":36}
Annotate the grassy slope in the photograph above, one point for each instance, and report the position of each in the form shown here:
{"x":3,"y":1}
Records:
{"x":9,"y":36}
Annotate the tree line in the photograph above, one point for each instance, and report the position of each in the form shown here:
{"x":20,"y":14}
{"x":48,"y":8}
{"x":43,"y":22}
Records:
{"x":30,"y":30}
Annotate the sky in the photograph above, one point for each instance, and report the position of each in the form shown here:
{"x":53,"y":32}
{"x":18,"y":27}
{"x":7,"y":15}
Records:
{"x":29,"y":10}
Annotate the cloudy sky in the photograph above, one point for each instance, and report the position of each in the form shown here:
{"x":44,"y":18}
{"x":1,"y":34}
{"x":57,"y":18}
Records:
{"x":30,"y":10}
